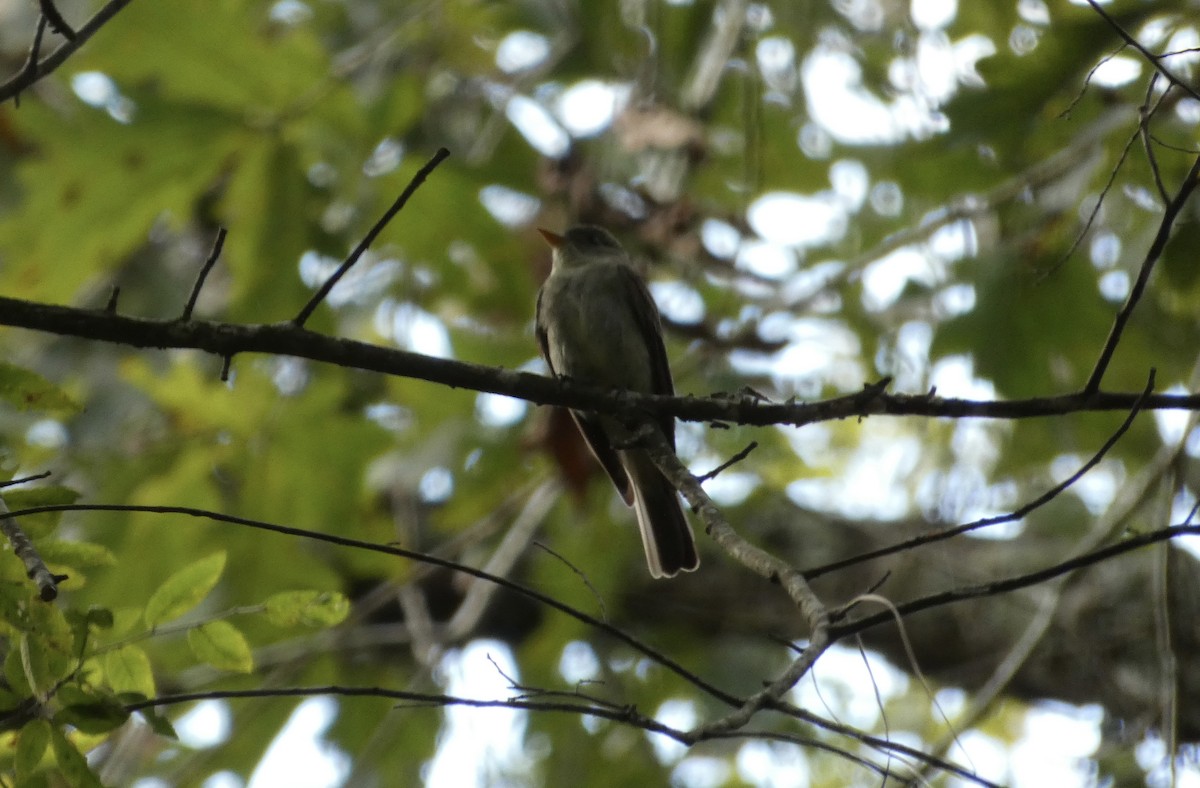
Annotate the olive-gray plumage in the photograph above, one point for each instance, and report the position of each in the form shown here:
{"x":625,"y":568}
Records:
{"x":597,"y":323}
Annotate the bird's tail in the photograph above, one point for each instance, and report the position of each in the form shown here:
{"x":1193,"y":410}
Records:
{"x":666,"y":535}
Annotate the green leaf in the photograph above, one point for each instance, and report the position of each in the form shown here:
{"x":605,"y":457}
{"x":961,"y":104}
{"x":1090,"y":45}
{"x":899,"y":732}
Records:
{"x":106,"y":195}
{"x":183,"y":590}
{"x":266,"y":205}
{"x":311,"y":608}
{"x":50,"y":623}
{"x":71,"y":762}
{"x":34,"y":665}
{"x":128,"y":670}
{"x":31,"y":747}
{"x":27,"y":390}
{"x":171,"y":46}
{"x":90,"y":711}
{"x":80,"y":555}
{"x":38,"y":525}
{"x":99,"y":617}
{"x":159,"y":723}
{"x":15,"y":673}
{"x":221,"y":645}
{"x":123,"y":621}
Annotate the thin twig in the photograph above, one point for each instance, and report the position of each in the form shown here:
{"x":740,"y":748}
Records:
{"x":301,"y":318}
{"x":55,"y":18}
{"x":204,"y":269}
{"x":1016,"y":514}
{"x":569,"y":704}
{"x":881,"y":744}
{"x":1007,"y":585}
{"x":734,"y":460}
{"x":413,"y":555}
{"x":1135,"y":293}
{"x":581,"y":574}
{"x":1112,"y":177}
{"x":1152,"y":58}
{"x":32,"y":73}
{"x":1144,"y":131}
{"x":29,"y":70}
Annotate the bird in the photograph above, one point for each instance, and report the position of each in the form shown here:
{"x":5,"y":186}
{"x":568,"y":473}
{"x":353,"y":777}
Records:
{"x":597,"y":323}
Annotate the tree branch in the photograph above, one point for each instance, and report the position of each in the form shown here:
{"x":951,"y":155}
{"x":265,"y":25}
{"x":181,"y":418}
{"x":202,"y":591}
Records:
{"x":46,"y":581}
{"x":755,"y":559}
{"x":227,"y":339}
{"x":995,"y":588}
{"x":1016,"y":514}
{"x":35,"y":71}
{"x":1153,"y":59}
{"x":302,"y":317}
{"x":1135,"y":293}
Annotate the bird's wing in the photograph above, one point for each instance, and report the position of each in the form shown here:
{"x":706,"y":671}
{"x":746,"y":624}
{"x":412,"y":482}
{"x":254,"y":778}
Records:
{"x":650,"y":327}
{"x":539,"y":330}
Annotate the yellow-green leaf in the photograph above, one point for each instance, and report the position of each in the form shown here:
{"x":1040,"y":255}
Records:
{"x":34,"y":666}
{"x":221,"y":645}
{"x":128,"y":670}
{"x":71,"y":762}
{"x":80,"y":555}
{"x":311,"y":608}
{"x":37,"y":525}
{"x":31,"y":747}
{"x":50,"y":624}
{"x":183,"y":590}
{"x":27,"y":390}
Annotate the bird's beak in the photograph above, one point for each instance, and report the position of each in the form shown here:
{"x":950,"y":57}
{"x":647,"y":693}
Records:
{"x":554,"y":239}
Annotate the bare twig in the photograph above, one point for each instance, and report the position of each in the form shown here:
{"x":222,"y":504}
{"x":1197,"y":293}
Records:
{"x":564,"y":703}
{"x":31,"y":73}
{"x":580,"y":574}
{"x":29,"y":70}
{"x":1135,"y":293}
{"x":1147,"y":114}
{"x":1016,"y":514}
{"x":413,"y":555}
{"x":734,"y":460}
{"x":1007,"y":585}
{"x":1151,"y":58}
{"x":55,"y":18}
{"x":423,"y":173}
{"x":218,"y":243}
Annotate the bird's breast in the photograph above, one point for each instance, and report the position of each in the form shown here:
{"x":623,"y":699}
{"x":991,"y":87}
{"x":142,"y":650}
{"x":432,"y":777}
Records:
{"x":592,"y":332}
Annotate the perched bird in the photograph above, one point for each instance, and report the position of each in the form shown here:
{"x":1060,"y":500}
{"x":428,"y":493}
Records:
{"x":597,"y":324}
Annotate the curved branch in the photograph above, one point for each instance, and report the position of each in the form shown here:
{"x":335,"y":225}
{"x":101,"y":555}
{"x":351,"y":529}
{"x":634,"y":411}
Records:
{"x":1013,"y":516}
{"x":35,"y":71}
{"x":568,"y":703}
{"x":838,"y":631}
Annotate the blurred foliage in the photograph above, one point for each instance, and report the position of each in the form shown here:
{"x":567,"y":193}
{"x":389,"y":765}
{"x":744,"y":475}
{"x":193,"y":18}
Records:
{"x":959,"y":160}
